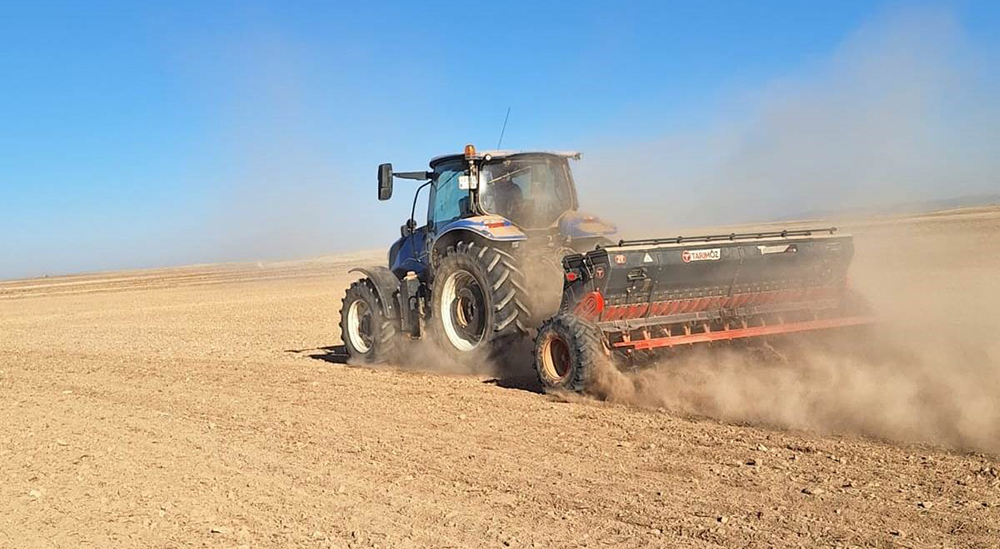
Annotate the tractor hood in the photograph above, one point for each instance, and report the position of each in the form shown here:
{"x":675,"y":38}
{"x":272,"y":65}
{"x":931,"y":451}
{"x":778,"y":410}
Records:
{"x":579,"y":225}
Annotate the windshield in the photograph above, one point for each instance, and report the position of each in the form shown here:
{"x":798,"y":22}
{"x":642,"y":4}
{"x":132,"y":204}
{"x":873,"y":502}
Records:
{"x":532,"y":192}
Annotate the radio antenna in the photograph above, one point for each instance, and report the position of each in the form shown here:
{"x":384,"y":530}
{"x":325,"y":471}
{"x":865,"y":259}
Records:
{"x":504,"y":128}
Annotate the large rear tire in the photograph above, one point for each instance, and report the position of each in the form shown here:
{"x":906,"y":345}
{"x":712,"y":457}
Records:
{"x":368,"y":335}
{"x":478,"y":300}
{"x":567,"y":352}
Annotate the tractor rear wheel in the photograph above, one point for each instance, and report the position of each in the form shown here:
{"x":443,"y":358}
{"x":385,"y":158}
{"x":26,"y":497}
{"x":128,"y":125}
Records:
{"x":478,"y":299}
{"x":567,"y":351}
{"x":367,"y":334}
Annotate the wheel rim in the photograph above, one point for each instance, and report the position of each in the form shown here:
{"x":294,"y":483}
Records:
{"x":555,"y":358}
{"x":359,"y":326}
{"x":463,"y":311}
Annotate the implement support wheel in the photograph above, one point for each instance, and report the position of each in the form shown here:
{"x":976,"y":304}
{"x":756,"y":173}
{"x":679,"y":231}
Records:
{"x":567,"y":351}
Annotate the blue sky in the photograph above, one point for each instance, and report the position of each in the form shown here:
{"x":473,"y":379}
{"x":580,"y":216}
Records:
{"x":146,"y":134}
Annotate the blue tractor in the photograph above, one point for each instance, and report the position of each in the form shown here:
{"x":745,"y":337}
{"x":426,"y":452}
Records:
{"x":487,"y":264}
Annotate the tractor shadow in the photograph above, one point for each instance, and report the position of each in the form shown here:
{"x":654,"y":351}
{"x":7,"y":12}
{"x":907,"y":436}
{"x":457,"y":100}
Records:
{"x":335,"y":354}
{"x":514,"y":369}
{"x":523,"y":382}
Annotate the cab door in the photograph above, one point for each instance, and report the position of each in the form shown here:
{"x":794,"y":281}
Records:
{"x":448,"y":202}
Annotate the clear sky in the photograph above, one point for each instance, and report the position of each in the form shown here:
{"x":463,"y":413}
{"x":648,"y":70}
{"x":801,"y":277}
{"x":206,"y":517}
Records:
{"x":139,"y":134}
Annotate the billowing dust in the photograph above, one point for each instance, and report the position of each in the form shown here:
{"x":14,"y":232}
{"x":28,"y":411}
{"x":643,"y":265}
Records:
{"x":902,"y":111}
{"x":896,"y":115}
{"x":929,"y":371}
{"x":427,"y":355}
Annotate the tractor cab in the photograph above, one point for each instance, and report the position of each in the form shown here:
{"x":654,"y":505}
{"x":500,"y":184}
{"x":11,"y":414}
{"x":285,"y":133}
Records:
{"x":531,"y":190}
{"x":497,"y":195}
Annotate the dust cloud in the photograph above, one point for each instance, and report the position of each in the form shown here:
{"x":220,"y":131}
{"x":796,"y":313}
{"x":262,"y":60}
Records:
{"x":903,"y":111}
{"x":928,"y":372}
{"x":426,"y":355}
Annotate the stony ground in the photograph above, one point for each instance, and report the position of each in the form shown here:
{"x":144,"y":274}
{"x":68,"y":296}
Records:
{"x":205,"y":407}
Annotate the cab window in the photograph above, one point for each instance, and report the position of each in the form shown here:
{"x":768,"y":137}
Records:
{"x":447,"y":198}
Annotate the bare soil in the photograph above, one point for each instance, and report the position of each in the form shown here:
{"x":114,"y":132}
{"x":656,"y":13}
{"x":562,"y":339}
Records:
{"x":208,"y":407}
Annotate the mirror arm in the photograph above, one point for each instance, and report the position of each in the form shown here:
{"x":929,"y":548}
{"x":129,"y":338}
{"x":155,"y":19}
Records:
{"x":419,"y":176}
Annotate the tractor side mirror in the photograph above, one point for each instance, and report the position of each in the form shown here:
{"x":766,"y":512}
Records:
{"x":384,"y":181}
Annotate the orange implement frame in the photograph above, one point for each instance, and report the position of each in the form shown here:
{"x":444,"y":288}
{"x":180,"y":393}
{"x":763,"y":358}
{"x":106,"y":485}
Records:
{"x":739,"y":333}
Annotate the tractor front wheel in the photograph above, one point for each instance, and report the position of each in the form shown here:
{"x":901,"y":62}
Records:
{"x":367,"y":334}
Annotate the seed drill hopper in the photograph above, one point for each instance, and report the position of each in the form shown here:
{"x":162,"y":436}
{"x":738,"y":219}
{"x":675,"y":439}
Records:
{"x":636,"y":297}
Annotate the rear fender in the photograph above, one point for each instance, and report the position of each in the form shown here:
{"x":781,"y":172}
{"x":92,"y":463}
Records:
{"x":386,"y":286}
{"x":491,"y":228}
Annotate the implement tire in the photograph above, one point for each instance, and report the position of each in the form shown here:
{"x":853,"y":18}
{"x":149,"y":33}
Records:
{"x":478,"y":300}
{"x":368,"y":335}
{"x":567,"y":351}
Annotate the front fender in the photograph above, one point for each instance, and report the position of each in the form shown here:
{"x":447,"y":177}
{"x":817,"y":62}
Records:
{"x":386,"y":287}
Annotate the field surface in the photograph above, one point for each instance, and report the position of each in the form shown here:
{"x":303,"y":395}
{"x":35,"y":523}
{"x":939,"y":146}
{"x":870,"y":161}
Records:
{"x":208,"y":407}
